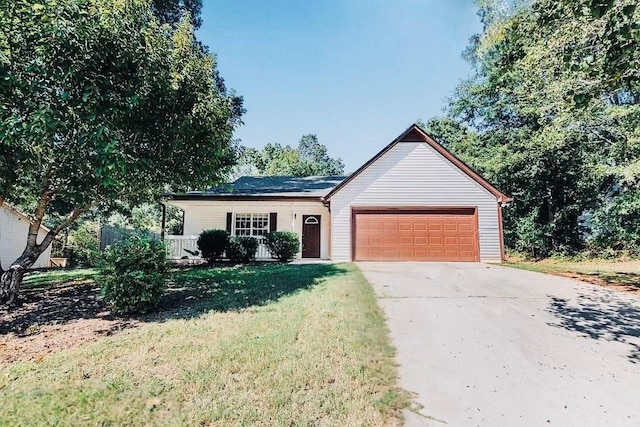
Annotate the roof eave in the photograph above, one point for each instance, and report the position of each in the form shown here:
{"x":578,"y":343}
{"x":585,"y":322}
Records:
{"x":249,"y":197}
{"x":19,"y":213}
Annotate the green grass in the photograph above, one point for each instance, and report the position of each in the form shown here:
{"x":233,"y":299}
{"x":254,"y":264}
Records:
{"x":622,"y":274}
{"x":57,"y":278}
{"x":266,"y":345}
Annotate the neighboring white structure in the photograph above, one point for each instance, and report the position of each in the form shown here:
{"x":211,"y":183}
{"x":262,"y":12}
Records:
{"x":14,"y":227}
{"x":412,"y":201}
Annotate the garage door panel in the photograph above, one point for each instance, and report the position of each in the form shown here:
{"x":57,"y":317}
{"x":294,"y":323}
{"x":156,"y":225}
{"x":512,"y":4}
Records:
{"x":467,"y":254}
{"x":419,"y":240}
{"x":435,"y":240}
{"x":405,"y":241}
{"x":423,"y":236}
{"x":466,"y":240}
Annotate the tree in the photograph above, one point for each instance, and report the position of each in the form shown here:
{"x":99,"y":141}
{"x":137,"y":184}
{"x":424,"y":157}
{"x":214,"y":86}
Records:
{"x":171,"y":11}
{"x":551,"y":115}
{"x":310,"y":158}
{"x":101,"y":104}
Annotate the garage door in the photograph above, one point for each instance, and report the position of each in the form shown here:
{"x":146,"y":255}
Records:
{"x":429,"y":235}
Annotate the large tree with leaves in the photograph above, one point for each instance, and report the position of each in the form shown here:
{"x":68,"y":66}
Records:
{"x":101,"y":103}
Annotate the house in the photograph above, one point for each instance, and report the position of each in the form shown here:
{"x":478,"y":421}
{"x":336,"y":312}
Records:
{"x":414,"y":200}
{"x":14,"y":226}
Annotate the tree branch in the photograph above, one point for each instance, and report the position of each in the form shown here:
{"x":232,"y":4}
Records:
{"x":64,"y":224}
{"x":35,"y":224}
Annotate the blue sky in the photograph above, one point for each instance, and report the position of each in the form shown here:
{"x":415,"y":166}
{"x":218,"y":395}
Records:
{"x":354,"y":72}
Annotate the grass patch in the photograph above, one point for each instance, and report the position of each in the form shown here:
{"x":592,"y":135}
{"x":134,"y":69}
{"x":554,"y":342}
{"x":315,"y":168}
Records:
{"x":622,"y":275}
{"x":48,"y":279}
{"x":268,"y":345}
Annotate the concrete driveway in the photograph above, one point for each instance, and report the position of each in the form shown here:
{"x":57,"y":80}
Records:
{"x":485,"y":345}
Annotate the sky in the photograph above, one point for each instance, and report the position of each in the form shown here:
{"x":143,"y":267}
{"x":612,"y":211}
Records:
{"x":356,"y":73}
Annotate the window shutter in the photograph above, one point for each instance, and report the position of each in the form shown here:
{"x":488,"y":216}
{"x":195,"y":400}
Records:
{"x":273,"y":221}
{"x":229,"y":219}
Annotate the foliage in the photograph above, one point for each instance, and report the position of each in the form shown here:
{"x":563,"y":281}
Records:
{"x":171,"y":11}
{"x":132,"y":274}
{"x":283,"y":245}
{"x":101,"y":104}
{"x":242,"y":249}
{"x":83,"y":244}
{"x":616,"y":224}
{"x":212,"y":244}
{"x":549,"y":120}
{"x":146,"y":217}
{"x":310,"y":158}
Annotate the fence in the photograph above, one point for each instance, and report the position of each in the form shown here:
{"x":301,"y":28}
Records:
{"x":179,"y":247}
{"x":112,"y":235}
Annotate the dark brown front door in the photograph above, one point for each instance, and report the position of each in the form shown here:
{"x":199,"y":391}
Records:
{"x":311,"y":236}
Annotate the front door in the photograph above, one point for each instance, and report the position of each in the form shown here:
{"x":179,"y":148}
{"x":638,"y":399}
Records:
{"x":311,"y":236}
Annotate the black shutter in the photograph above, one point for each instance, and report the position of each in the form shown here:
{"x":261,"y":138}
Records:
{"x":229,"y":219}
{"x":273,"y":221}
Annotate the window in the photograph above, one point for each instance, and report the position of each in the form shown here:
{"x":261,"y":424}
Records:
{"x":256,"y":225}
{"x":311,"y":220}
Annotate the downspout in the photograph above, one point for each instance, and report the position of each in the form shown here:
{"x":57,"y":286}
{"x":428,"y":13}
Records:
{"x":502,"y":204}
{"x":327,"y":204}
{"x":164,"y":220}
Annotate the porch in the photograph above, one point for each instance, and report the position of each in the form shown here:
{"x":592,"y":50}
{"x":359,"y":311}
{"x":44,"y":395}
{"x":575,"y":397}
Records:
{"x":186,"y":247}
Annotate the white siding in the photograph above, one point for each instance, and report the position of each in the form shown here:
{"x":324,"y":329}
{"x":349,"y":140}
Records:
{"x":201,"y":215}
{"x":13,"y":239}
{"x":414,"y":174}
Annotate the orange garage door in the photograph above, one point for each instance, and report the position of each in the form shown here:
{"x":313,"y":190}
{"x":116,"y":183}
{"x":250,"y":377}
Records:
{"x":430,"y":235}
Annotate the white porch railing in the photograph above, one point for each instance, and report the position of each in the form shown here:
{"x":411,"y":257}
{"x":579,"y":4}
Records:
{"x":176,"y":246}
{"x":263,"y":253}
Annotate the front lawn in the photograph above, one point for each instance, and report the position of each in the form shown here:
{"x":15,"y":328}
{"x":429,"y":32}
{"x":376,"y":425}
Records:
{"x":620,"y":275}
{"x":261,"y":345}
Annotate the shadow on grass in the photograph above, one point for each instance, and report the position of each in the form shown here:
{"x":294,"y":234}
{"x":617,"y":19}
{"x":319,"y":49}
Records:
{"x":601,"y":315}
{"x":196,"y":290}
{"x":57,"y":299}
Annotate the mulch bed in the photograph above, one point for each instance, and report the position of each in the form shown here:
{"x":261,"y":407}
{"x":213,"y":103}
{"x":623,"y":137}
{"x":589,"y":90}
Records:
{"x":46,"y":321}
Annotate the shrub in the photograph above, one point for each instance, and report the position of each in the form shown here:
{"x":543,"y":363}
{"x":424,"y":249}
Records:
{"x":242,"y":248}
{"x":212,"y":244}
{"x":132,"y":274}
{"x":83,"y":246}
{"x":283,"y":245}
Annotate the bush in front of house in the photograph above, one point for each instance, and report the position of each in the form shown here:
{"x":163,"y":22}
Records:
{"x":213,"y":243}
{"x":283,"y":245}
{"x":242,"y":249}
{"x":132,"y":274}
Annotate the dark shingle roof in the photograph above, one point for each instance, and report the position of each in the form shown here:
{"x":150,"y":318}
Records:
{"x":289,"y":186}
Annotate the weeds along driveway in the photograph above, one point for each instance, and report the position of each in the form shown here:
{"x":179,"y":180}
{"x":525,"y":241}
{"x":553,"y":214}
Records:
{"x":495,"y":346}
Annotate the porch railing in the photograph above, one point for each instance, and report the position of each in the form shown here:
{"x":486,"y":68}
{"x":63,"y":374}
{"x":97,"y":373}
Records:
{"x":176,"y":246}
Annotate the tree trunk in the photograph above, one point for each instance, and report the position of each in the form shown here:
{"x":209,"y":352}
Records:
{"x":11,"y":279}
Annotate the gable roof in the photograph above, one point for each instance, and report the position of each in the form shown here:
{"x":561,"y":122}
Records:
{"x":415,"y":134}
{"x":269,"y":186}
